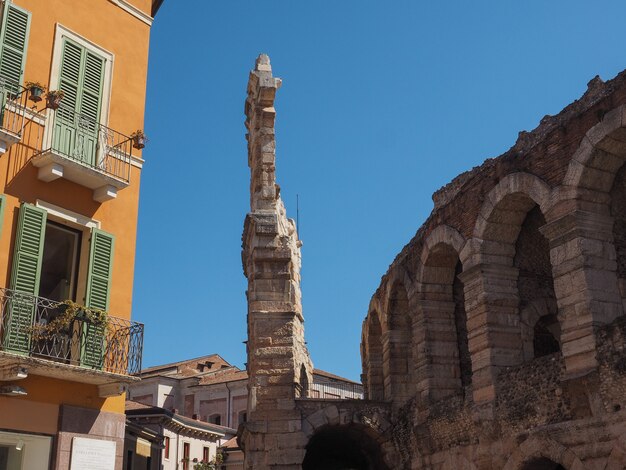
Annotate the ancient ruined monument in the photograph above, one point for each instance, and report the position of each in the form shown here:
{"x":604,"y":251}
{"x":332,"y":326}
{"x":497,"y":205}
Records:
{"x":496,"y":338}
{"x":277,"y":355}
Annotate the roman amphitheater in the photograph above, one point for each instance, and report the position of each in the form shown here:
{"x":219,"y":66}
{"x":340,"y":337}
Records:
{"x":495,"y":340}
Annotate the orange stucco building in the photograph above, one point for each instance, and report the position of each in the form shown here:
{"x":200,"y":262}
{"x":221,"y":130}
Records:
{"x":70,"y":168}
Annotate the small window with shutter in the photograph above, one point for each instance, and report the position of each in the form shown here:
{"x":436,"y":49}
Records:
{"x":81,"y":79}
{"x":13,"y":45}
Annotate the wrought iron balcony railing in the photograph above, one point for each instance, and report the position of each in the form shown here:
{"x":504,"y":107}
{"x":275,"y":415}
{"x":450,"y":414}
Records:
{"x":80,"y":139}
{"x":331,"y":391}
{"x":114,"y":345}
{"x":13,"y":102}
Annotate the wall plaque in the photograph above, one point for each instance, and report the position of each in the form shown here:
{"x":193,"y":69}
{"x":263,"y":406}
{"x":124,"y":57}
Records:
{"x":92,"y":454}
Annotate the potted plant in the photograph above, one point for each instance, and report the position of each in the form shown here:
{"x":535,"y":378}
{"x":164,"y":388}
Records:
{"x":35,"y":90}
{"x":53,"y":98}
{"x":139,"y":139}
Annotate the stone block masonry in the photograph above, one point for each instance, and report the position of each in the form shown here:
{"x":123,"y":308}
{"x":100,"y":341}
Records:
{"x":279,"y":366}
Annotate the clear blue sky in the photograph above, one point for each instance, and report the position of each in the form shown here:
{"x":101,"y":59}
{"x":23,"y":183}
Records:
{"x":382,"y":103}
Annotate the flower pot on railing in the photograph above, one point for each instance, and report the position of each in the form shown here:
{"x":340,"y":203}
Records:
{"x":54,"y":98}
{"x":139,"y":139}
{"x":35,"y":91}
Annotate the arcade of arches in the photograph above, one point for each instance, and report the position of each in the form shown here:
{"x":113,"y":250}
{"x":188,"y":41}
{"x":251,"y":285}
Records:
{"x":512,"y":298}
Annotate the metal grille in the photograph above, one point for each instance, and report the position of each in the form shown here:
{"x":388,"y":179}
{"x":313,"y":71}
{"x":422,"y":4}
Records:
{"x":331,"y":391}
{"x":120,"y":342}
{"x":13,"y":102}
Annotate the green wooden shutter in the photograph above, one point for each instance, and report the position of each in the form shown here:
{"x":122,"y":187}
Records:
{"x":98,"y":289}
{"x":25,"y":274}
{"x":13,"y":44}
{"x":81,"y":78}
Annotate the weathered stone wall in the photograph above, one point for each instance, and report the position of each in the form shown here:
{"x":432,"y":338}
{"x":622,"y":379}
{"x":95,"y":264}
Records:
{"x":532,"y":244}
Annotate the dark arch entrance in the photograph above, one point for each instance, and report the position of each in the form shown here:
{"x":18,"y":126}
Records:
{"x":343,"y":448}
{"x":542,"y":464}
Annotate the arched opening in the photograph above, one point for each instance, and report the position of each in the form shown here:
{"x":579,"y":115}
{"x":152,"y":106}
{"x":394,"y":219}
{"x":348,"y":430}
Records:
{"x":343,"y":448}
{"x":373,"y":358}
{"x":542,"y":463}
{"x":618,"y":212}
{"x":303,"y":384}
{"x":448,"y":368}
{"x":540,"y":328}
{"x":460,"y":321}
{"x":397,"y":346}
{"x":546,"y":332}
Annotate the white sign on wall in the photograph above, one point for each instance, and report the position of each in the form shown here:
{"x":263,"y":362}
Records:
{"x":92,"y":454}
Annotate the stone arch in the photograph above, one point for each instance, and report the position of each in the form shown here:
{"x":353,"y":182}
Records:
{"x":536,"y":448}
{"x":515,"y":194}
{"x":540,"y":313}
{"x":498,"y":267}
{"x":397,"y":339}
{"x":344,"y":446}
{"x":373,"y":357}
{"x":444,"y":365}
{"x":600,"y":154}
{"x":442,"y":234}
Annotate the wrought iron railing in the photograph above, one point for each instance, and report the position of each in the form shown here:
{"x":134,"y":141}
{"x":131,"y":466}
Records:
{"x":13,"y":102}
{"x":89,"y":143}
{"x":114,"y":345}
{"x":331,"y":391}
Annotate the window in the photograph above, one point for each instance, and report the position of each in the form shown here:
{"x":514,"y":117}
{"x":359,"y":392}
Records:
{"x":166,"y":451}
{"x":83,"y":70}
{"x":205,"y":454}
{"x":186,"y":456}
{"x":81,"y":79}
{"x":59,"y":264}
{"x":215,"y":419}
{"x":22,"y":451}
{"x":13,"y":45}
{"x":35,"y":271}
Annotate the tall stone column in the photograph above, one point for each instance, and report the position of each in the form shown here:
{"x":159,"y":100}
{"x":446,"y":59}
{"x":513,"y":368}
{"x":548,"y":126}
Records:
{"x":279,"y":366}
{"x":585,"y":283}
{"x":491,"y":303}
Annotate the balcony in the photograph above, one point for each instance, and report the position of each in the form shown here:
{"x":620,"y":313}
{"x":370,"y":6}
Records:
{"x":86,"y":152}
{"x":105,"y":353}
{"x":12,"y":111}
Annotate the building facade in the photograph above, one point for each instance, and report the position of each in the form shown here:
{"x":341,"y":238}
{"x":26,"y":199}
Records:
{"x":496,"y":339}
{"x":208,"y":391}
{"x":69,"y":189}
{"x":183,"y":442}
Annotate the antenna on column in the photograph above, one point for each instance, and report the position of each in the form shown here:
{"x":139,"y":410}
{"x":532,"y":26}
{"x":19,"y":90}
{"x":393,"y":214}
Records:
{"x":298,"y":214}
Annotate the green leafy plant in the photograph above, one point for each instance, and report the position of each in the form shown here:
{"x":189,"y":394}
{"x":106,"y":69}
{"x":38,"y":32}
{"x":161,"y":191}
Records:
{"x":35,"y":85}
{"x":214,"y":464}
{"x":69,"y":312}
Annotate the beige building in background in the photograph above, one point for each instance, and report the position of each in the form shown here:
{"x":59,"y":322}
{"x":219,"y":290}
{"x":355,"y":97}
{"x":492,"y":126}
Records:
{"x":202,"y":401}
